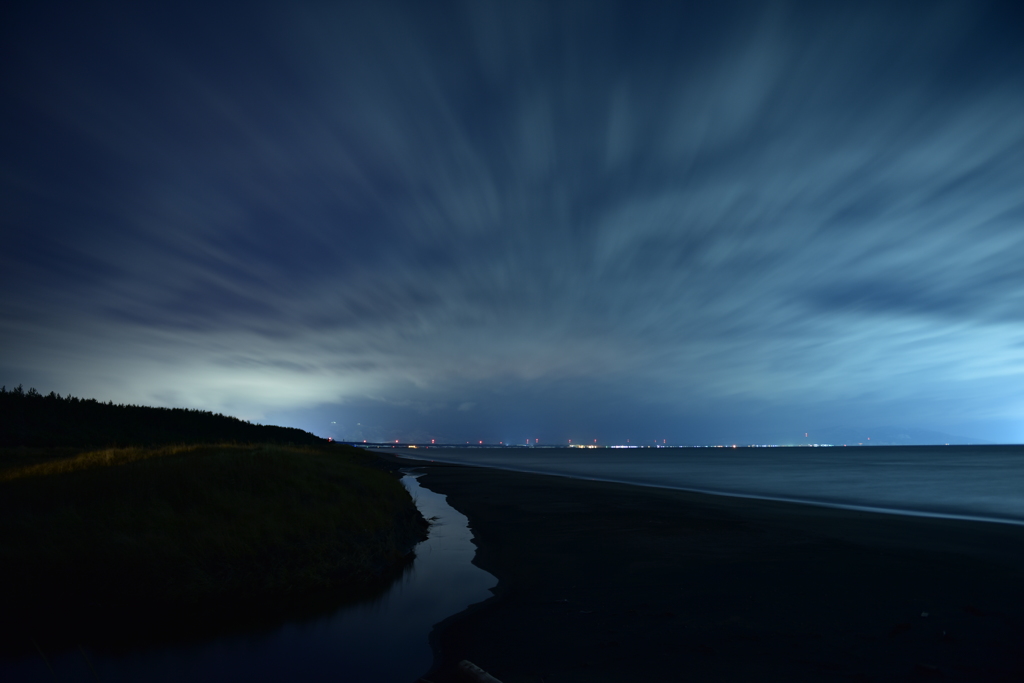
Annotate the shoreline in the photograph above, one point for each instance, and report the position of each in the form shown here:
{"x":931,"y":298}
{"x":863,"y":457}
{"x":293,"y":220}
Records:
{"x":909,"y":512}
{"x":605,"y":581}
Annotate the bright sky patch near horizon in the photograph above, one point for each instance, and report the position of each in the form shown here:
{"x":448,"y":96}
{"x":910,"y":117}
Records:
{"x":705,"y":221}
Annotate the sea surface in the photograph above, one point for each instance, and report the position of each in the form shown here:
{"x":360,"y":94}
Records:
{"x":382,"y":641}
{"x":983,"y":483}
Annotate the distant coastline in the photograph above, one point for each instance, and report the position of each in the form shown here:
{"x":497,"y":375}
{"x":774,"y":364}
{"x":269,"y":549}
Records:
{"x":976,"y":483}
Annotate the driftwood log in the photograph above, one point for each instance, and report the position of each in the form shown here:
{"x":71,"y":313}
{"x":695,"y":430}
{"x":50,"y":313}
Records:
{"x":472,"y":673}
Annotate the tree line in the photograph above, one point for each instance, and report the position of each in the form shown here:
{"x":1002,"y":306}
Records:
{"x":28,"y":418}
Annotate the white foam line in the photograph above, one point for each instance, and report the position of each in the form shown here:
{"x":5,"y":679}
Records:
{"x":733,"y":494}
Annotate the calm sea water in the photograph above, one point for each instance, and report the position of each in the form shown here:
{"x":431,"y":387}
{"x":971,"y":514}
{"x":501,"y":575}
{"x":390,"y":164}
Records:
{"x":963,"y":482}
{"x":382,"y":641}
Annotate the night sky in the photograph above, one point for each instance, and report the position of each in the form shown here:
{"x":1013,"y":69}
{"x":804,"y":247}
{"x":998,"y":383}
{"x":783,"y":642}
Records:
{"x":697,"y":222}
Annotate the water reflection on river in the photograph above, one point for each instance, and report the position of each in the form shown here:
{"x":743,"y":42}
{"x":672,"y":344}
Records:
{"x":382,"y":641}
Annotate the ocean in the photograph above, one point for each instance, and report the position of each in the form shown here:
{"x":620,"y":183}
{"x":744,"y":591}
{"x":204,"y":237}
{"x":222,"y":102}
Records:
{"x":984,"y":483}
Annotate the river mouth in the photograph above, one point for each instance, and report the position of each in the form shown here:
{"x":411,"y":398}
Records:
{"x":381,"y":640}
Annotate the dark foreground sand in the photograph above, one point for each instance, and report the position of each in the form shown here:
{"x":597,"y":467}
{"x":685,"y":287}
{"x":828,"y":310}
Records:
{"x":610,"y":582}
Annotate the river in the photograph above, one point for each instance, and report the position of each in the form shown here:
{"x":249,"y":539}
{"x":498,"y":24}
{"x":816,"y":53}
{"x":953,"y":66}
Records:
{"x":381,"y":641}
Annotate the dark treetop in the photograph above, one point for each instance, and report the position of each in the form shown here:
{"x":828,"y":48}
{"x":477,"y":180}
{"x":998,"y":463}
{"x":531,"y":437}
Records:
{"x":31,"y":419}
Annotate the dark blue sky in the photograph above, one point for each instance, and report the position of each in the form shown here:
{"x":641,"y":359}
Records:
{"x":691,"y":221}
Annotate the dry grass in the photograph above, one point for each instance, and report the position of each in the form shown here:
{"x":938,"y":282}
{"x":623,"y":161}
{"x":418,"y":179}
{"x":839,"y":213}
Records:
{"x":22,"y":462}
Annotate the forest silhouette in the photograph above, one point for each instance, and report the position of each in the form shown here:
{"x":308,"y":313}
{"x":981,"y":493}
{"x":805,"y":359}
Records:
{"x":29,"y":418}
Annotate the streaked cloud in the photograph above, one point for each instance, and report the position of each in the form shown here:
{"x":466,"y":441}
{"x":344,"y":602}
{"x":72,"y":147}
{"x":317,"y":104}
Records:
{"x":742,"y":214}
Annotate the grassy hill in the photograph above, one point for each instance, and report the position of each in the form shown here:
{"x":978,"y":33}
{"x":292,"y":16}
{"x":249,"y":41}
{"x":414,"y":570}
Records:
{"x":185,"y":535}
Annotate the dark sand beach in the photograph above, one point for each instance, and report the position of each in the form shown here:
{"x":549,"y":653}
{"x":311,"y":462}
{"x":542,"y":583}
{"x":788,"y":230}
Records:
{"x":612,"y":582}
